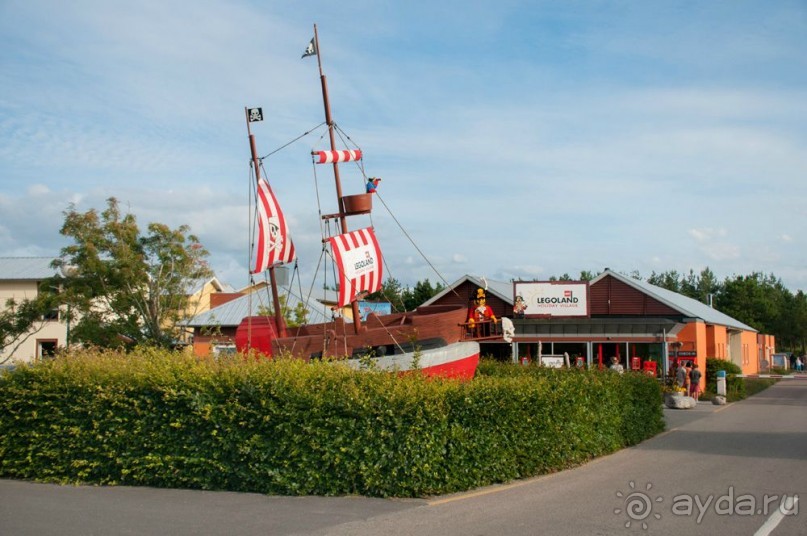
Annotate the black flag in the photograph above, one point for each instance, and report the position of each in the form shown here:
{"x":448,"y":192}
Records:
{"x":310,"y":50}
{"x":255,"y":114}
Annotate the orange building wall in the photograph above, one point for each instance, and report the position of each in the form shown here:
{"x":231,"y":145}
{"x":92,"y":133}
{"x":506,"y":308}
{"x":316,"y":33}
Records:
{"x":694,"y":337}
{"x":750,"y":352}
{"x":716,"y":341}
{"x":766,"y":345}
{"x":712,"y":341}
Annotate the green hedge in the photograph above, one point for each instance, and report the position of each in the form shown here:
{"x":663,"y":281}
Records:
{"x":735,"y":387}
{"x":285,"y":427}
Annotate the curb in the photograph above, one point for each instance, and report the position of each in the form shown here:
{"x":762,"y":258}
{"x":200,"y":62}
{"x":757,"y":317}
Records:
{"x":774,"y":376}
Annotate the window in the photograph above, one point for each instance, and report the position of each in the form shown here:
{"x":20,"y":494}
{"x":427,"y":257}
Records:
{"x":46,"y":347}
{"x":224,"y":350}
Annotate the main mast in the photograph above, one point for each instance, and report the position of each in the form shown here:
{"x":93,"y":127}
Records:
{"x":280,"y":322}
{"x":342,"y":216}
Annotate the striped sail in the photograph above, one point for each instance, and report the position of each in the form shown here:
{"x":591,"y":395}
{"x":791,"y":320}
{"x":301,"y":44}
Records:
{"x":272,"y":244}
{"x":359,"y":260}
{"x":329,"y":157}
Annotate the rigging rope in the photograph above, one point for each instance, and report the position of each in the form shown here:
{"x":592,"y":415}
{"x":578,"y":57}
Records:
{"x":345,"y":138}
{"x":415,"y":245}
{"x":344,"y":324}
{"x":303,"y":135}
{"x":326,"y":231}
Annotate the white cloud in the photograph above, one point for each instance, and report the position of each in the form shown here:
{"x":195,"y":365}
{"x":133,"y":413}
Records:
{"x":38,"y":189}
{"x":510,"y":145}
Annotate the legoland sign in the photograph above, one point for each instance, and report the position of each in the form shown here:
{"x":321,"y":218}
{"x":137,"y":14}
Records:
{"x":550,"y":298}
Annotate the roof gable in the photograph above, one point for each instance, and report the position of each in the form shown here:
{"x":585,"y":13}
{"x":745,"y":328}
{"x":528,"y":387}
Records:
{"x":612,"y":296}
{"x":684,"y":305}
{"x":501,"y":289}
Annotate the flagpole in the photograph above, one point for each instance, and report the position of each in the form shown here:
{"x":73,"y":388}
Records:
{"x":280,"y":322}
{"x":328,"y":119}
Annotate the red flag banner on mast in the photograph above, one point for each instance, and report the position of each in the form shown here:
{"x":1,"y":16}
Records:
{"x":359,"y":260}
{"x":273,"y":243}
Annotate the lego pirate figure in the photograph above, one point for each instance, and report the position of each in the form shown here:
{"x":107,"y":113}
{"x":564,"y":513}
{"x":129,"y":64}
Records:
{"x":372,"y":184}
{"x":480,"y":313}
{"x":519,"y":307}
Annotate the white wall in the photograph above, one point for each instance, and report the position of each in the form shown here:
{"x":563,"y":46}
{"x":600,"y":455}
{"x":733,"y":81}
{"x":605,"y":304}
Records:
{"x":46,"y":330}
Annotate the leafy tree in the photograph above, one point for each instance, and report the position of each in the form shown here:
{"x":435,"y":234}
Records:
{"x":422,"y":292}
{"x":670,"y":280}
{"x":21,"y":320}
{"x":587,"y":275}
{"x":707,"y":285}
{"x":124,"y":287}
{"x":392,"y":292}
{"x":294,"y":316}
{"x":406,"y":299}
{"x":754,"y":299}
{"x":797,"y":315}
{"x":635,"y":275}
{"x":564,"y":277}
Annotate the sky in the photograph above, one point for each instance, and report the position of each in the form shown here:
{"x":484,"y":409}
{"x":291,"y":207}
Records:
{"x":515,"y":140}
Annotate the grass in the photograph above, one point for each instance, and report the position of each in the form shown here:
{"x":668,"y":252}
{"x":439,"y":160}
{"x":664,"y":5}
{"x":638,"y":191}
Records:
{"x":752,"y":387}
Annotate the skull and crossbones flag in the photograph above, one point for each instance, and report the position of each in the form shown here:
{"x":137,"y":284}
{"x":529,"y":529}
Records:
{"x":272,"y":244}
{"x":255,"y":114}
{"x":310,"y":50}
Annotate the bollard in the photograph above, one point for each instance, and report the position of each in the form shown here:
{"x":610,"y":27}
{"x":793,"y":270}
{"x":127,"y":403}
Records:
{"x":721,"y":382}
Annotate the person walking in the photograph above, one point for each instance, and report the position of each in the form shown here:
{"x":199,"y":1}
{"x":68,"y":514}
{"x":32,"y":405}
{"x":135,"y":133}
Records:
{"x":695,"y":382}
{"x":680,"y":375}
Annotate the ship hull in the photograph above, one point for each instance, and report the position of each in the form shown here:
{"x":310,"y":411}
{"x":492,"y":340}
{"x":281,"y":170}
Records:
{"x":458,"y":360}
{"x":429,"y":339}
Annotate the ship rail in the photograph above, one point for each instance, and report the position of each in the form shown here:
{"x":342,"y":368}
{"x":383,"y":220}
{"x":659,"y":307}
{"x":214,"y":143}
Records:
{"x":480,"y":331}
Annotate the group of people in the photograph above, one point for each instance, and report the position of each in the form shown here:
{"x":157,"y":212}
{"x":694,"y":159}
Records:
{"x":688,"y":377}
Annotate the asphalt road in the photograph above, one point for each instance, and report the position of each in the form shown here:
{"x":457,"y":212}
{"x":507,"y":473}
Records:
{"x":717,"y":470}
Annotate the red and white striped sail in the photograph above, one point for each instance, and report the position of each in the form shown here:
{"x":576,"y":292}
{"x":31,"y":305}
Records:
{"x":329,"y":157}
{"x":273,"y":243}
{"x":359,"y":260}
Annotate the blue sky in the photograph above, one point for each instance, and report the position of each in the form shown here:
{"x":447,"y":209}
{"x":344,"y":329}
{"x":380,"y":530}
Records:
{"x":515,"y":139}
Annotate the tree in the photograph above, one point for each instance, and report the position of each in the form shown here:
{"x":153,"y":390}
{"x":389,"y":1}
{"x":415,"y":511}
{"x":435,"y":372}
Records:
{"x":587,"y":275}
{"x":294,"y":316}
{"x":20,"y":320}
{"x":422,"y":292}
{"x":392,"y":292}
{"x":406,"y":299}
{"x":755,"y":299}
{"x":798,"y":318}
{"x":670,"y":280}
{"x":707,"y":285}
{"x":126,"y":288}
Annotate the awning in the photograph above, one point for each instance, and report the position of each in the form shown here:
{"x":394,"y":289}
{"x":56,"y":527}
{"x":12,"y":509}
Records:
{"x":596,"y":328}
